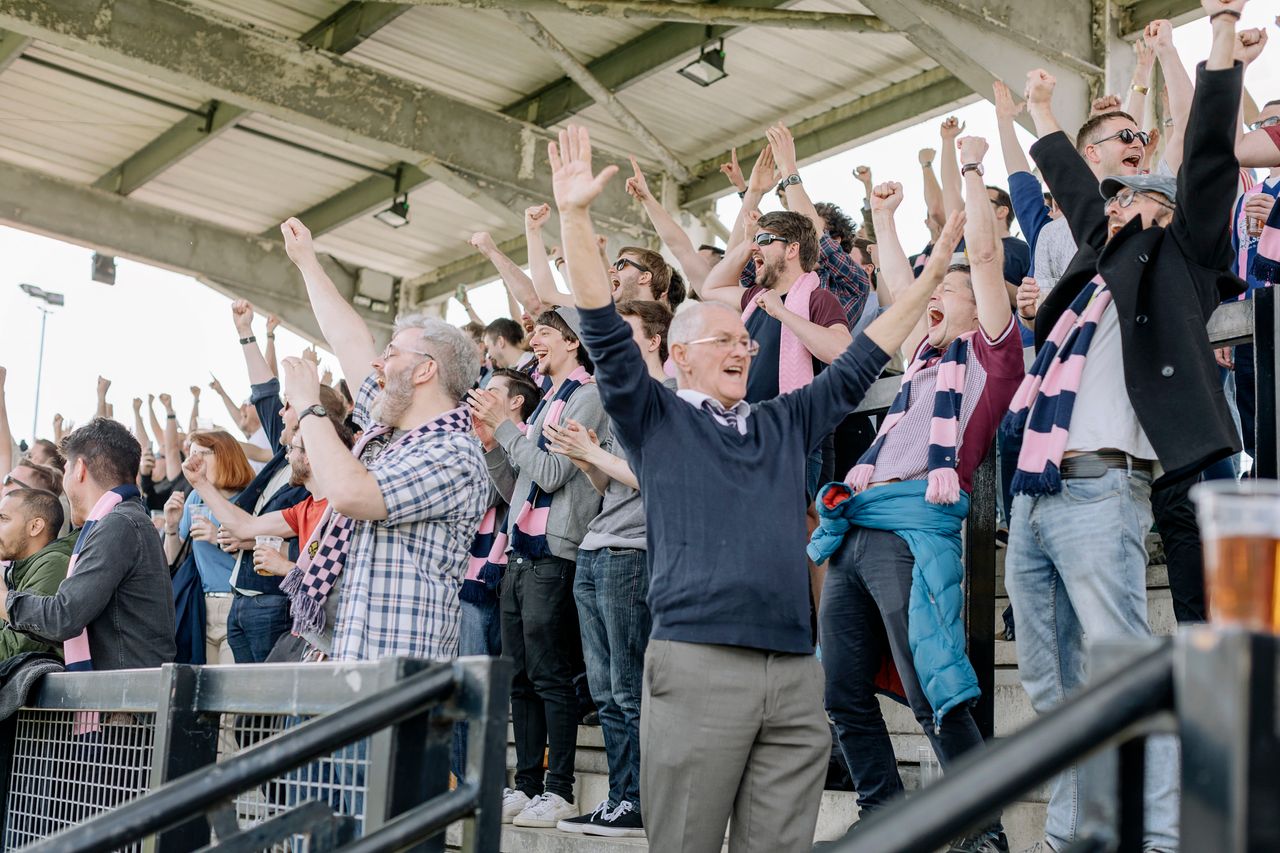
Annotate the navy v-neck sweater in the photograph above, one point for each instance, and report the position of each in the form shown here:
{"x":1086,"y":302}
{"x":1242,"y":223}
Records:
{"x":725,"y":512}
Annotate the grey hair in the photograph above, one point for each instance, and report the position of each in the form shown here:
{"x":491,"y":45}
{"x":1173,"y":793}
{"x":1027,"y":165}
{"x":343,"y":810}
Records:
{"x":688,"y":325}
{"x":453,"y":350}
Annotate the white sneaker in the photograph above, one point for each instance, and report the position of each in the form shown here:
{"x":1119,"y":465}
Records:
{"x":513,"y":802}
{"x":545,"y":811}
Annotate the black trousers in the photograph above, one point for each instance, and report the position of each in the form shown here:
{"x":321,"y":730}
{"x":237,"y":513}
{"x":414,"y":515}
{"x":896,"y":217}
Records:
{"x":1175,"y":518}
{"x":540,"y":635}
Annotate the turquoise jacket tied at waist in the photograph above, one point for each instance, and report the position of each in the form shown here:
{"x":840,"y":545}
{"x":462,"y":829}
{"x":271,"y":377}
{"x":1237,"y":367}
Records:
{"x":935,"y":612}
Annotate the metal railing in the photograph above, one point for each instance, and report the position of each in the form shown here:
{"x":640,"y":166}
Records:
{"x":1217,"y":691}
{"x":1256,"y":319}
{"x":305,"y":757}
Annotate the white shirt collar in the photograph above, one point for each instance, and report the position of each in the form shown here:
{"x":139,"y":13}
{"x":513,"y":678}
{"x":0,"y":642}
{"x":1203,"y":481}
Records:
{"x":741,"y":408}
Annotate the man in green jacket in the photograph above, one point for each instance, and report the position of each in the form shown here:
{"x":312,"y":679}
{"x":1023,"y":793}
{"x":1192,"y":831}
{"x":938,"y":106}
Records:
{"x":29,"y":523}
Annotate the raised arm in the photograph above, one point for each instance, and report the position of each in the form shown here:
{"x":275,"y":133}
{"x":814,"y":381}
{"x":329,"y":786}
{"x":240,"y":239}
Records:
{"x":951,"y":196}
{"x":986,"y":255}
{"x":544,"y":282}
{"x":1158,"y":36}
{"x":1255,"y":148}
{"x":669,"y":231}
{"x":193,"y":423}
{"x":157,"y":429}
{"x":346,"y":334}
{"x":896,"y":274}
{"x":784,"y":154}
{"x":935,"y":210}
{"x":272,"y":322}
{"x":721,"y":284}
{"x":172,"y":447}
{"x":517,"y":283}
{"x":103,"y":385}
{"x":891,"y":329}
{"x":1039,"y":97}
{"x":1140,"y":86}
{"x":257,"y":367}
{"x":461,"y":295}
{"x":764,"y":176}
{"x":227,"y":403}
{"x":6,"y":434}
{"x":1007,"y":109}
{"x":139,"y":427}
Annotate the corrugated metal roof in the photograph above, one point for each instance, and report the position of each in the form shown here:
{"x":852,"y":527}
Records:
{"x":56,"y":122}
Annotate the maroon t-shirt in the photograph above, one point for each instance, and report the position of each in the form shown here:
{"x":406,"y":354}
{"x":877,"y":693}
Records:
{"x":762,"y":381}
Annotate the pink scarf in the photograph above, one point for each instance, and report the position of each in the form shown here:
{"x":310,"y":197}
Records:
{"x":795,"y":362}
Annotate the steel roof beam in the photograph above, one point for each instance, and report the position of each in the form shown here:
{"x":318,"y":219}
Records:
{"x":11,"y":47}
{"x":237,"y":264}
{"x":340,"y":32}
{"x":860,"y":120}
{"x":713,"y":14}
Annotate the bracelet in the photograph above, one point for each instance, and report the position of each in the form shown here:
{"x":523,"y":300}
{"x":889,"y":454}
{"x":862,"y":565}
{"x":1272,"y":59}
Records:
{"x":1232,"y":12}
{"x":928,"y":165}
{"x":1141,"y":90}
{"x":742,"y":194}
{"x":169,"y":532}
{"x":171,"y":416}
{"x":271,"y":336}
{"x":249,"y":340}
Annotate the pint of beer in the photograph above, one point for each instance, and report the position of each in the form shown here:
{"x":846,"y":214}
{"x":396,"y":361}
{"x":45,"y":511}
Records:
{"x":1240,"y":529}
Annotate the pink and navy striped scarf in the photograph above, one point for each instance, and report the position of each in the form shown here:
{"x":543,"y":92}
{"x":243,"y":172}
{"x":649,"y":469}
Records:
{"x":75,"y":651}
{"x":529,"y":529}
{"x":944,"y":427}
{"x":322,"y":559}
{"x":1266,"y":265}
{"x":487,"y":557}
{"x":795,"y":362}
{"x":1047,"y":395}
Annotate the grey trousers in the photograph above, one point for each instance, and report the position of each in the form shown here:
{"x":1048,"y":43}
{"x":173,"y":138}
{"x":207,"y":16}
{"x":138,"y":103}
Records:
{"x":731,"y":731}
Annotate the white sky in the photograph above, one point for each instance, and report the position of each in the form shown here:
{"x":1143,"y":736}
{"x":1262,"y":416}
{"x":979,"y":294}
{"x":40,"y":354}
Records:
{"x":156,"y":331}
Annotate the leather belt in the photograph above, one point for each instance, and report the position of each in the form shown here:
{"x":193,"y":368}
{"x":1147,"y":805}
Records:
{"x":218,"y":594}
{"x":1099,"y":462}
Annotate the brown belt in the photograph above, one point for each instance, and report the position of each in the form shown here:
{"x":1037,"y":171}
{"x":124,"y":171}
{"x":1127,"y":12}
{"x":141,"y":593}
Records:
{"x":1099,"y":462}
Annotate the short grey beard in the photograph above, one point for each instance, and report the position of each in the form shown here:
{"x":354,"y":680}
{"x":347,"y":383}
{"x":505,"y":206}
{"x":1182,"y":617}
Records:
{"x":392,"y":401}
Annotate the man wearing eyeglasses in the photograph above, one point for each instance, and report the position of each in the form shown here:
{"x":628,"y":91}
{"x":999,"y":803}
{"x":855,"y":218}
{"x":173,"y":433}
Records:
{"x":1146,"y":407}
{"x":731,"y":718}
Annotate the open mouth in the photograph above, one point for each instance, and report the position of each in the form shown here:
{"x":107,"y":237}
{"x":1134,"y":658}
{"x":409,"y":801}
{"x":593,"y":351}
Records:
{"x":1113,"y":228}
{"x":1133,"y":161}
{"x":734,"y":370}
{"x":382,"y":382}
{"x":935,"y":317}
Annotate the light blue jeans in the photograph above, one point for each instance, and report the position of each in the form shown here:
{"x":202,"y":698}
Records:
{"x":1077,"y":568}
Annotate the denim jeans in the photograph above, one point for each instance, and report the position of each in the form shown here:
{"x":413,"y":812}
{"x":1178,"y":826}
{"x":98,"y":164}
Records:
{"x":1076,"y":568}
{"x":479,"y":633}
{"x":540,"y":635}
{"x":863,"y":622}
{"x":611,"y":588}
{"x":255,"y":623}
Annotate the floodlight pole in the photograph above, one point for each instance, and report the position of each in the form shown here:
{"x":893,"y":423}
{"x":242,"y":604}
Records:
{"x":35,"y":415}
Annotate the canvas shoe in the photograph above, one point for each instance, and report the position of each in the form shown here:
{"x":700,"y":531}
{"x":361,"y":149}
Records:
{"x":545,"y":811}
{"x":622,"y":822}
{"x":513,"y":802}
{"x":580,"y":823}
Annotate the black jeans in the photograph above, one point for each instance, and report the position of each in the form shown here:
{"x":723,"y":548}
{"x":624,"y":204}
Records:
{"x":863,"y":620}
{"x":1246,"y":397}
{"x":1175,"y":518}
{"x":540,"y":635}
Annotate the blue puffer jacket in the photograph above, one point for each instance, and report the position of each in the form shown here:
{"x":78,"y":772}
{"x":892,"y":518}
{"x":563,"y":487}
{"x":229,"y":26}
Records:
{"x":935,"y":611}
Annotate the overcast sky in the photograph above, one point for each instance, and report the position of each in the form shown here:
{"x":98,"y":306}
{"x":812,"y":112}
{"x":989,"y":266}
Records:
{"x":155,"y":331}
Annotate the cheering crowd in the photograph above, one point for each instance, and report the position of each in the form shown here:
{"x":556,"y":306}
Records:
{"x":654,"y":494}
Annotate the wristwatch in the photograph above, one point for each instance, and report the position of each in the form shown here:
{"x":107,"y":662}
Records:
{"x":790,"y":181}
{"x":971,"y":167}
{"x":317,"y":410}
{"x":249,"y":340}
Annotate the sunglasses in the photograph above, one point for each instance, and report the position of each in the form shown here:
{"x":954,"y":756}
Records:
{"x":1125,"y":197}
{"x":622,"y":263}
{"x":1266,"y":122}
{"x":764,"y":238}
{"x":10,"y":480}
{"x":1127,"y":136}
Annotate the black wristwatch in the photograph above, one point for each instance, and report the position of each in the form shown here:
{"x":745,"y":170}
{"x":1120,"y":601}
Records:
{"x":317,"y":409}
{"x":249,"y":340}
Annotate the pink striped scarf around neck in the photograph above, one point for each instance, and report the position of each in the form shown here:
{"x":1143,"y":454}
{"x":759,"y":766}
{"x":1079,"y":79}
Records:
{"x":1266,"y":265}
{"x":944,"y":424}
{"x":795,"y":362}
{"x":75,"y":651}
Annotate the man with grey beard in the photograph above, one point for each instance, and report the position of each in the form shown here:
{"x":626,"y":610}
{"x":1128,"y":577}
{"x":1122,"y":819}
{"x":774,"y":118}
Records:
{"x":407,"y":503}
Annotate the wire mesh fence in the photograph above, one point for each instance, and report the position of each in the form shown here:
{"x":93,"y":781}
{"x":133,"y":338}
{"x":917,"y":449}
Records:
{"x":69,"y":766}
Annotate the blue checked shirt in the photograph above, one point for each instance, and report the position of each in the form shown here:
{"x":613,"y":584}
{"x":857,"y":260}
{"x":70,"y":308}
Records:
{"x":837,"y":272}
{"x":402,"y":576}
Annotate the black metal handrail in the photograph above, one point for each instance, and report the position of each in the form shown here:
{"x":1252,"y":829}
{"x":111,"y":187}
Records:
{"x":175,"y":802}
{"x":985,"y":783}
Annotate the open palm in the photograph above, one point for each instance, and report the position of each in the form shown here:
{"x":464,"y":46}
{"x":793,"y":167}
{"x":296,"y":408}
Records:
{"x":572,"y":181}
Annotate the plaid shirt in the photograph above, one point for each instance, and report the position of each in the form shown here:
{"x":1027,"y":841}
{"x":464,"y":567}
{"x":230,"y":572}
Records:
{"x":400,"y":586}
{"x":837,"y":273}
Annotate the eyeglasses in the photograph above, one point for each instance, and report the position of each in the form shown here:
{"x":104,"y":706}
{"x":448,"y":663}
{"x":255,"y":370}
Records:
{"x":724,"y":342}
{"x":10,"y":480}
{"x":764,"y":238}
{"x":1125,"y":197}
{"x":1127,"y":136}
{"x":622,"y":263}
{"x":392,"y":350}
{"x":1266,"y":122}
{"x":200,"y":450}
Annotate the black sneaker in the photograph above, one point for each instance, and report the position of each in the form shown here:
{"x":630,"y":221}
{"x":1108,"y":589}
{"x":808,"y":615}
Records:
{"x":987,"y":841}
{"x":581,"y":822}
{"x":622,"y":822}
{"x":591,"y":719}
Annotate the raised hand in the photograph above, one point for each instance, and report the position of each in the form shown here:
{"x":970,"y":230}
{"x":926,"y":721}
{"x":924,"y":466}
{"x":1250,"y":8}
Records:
{"x":927,"y":156}
{"x":215,"y":385}
{"x":326,"y":378}
{"x":3,"y":374}
{"x":147,"y":463}
{"x":193,"y":469}
{"x":1145,"y":57}
{"x":863,"y":174}
{"x":1158,"y":35}
{"x":1105,"y":104}
{"x":637,"y":186}
{"x":242,"y":316}
{"x":137,"y":405}
{"x":486,"y":408}
{"x":195,"y":392}
{"x":733,"y":171}
{"x":574,"y":183}
{"x":310,"y":354}
{"x":1212,"y":7}
{"x":1006,"y":106}
{"x":764,"y":174}
{"x":1249,"y":44}
{"x":784,"y":148}
{"x":1028,"y":298}
{"x":1040,"y":85}
{"x":536,"y":216}
{"x":482,"y":241}
{"x":886,"y":197}
{"x":951,"y":128}
{"x":972,"y":149}
{"x":272,"y":323}
{"x":103,"y":385}
{"x":950,"y":237}
{"x":173,"y":509}
{"x":301,"y":382}
{"x":297,"y":241}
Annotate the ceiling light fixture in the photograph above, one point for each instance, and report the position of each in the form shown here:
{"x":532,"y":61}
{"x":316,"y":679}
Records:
{"x":397,"y":215}
{"x":708,"y":68}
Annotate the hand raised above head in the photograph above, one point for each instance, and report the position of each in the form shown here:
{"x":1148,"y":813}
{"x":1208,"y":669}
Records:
{"x":573,"y":181}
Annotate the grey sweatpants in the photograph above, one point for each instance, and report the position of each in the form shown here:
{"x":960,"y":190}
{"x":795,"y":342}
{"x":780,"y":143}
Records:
{"x":731,"y":731}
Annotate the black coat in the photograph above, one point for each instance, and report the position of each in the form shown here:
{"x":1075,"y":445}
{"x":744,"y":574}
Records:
{"x":1165,"y":281}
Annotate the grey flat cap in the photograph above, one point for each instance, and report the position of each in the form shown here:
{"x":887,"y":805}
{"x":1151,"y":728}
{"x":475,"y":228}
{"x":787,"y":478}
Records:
{"x":1165,"y":185}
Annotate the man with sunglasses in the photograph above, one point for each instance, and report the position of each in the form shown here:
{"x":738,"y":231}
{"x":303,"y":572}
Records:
{"x":1147,"y":408}
{"x":731,"y":718}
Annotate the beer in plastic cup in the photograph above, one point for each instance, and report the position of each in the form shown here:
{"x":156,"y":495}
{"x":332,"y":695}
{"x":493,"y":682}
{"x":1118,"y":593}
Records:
{"x":267,"y":543}
{"x":1255,"y":225}
{"x":1240,"y":529}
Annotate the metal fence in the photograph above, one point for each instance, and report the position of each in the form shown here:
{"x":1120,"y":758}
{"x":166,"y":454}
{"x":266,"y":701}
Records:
{"x":89,"y":743}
